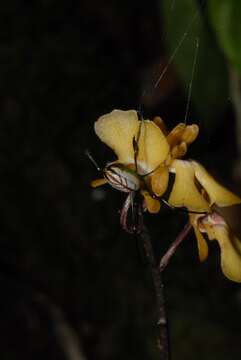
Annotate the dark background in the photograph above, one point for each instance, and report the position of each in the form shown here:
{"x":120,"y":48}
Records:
{"x":65,"y":263}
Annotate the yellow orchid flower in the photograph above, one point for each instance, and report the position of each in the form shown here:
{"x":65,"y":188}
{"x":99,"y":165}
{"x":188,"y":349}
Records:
{"x":217,"y":229}
{"x":196,"y":189}
{"x":146,"y":155}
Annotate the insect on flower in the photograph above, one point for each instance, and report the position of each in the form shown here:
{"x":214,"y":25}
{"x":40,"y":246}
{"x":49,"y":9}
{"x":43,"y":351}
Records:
{"x":147,"y":154}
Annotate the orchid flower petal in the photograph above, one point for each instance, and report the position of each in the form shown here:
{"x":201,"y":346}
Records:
{"x":190,"y":133}
{"x":201,"y":242}
{"x":184,"y":191}
{"x":230,"y":255}
{"x":175,"y":135}
{"x":218,"y":194}
{"x":202,"y":245}
{"x":152,"y":205}
{"x":98,"y":182}
{"x":230,"y":245}
{"x":159,"y":180}
{"x":153,"y":146}
{"x":118,"y":129}
{"x":160,"y":123}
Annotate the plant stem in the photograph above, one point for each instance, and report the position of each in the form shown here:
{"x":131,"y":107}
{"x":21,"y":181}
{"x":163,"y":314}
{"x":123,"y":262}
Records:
{"x":162,"y":323}
{"x":167,"y":256}
{"x":235,"y":92}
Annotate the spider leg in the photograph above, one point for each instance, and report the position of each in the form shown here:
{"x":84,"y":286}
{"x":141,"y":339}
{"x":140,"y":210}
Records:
{"x":182,"y":209}
{"x":132,"y":209}
{"x":88,"y":154}
{"x":124,"y":213}
{"x":137,"y":218}
{"x":149,"y":173}
{"x":135,"y":141}
{"x":136,"y":150}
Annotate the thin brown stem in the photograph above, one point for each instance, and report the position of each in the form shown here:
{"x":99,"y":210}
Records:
{"x":235,"y":92}
{"x":172,"y":249}
{"x":162,"y":323}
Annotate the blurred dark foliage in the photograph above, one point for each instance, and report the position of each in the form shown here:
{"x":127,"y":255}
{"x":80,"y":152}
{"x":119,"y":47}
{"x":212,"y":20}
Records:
{"x":63,"y":64}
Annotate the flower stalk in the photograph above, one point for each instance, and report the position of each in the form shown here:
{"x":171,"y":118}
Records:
{"x":172,"y":249}
{"x":163,"y":343}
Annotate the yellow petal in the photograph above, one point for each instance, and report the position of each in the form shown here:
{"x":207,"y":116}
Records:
{"x":159,"y":180}
{"x":117,"y":130}
{"x":217,"y":193}
{"x":237,"y":243}
{"x":153,"y":146}
{"x":230,"y":253}
{"x":179,"y":150}
{"x":152,"y":205}
{"x":190,"y":133}
{"x":174,"y":137}
{"x":184,"y":191}
{"x":201,"y":242}
{"x":98,"y":182}
{"x":160,"y":123}
{"x":202,"y":245}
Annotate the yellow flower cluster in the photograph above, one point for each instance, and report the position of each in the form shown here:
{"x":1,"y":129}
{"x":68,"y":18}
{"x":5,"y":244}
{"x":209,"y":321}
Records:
{"x":147,"y":153}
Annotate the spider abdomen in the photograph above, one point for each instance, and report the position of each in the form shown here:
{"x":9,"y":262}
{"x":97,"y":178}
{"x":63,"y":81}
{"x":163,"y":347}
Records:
{"x":122,"y":178}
